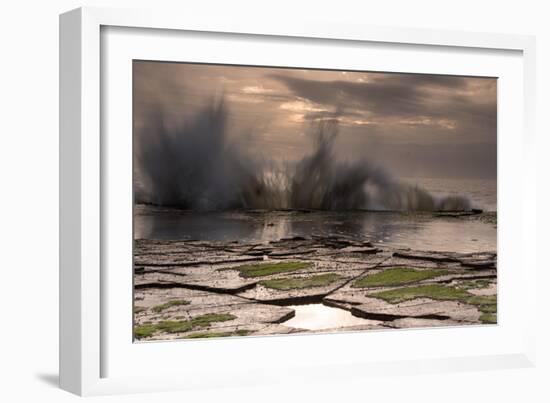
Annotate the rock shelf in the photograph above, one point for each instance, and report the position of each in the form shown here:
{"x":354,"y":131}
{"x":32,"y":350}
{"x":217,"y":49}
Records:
{"x":198,"y":289}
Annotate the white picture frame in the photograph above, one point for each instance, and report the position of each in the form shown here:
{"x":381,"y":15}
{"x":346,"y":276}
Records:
{"x":90,"y":340}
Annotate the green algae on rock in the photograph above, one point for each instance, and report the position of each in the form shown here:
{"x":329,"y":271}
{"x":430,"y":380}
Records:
{"x":145,"y":330}
{"x":474,"y":284}
{"x":289,"y":283}
{"x":173,"y":326}
{"x":169,"y":304}
{"x":268,"y":269}
{"x":487,"y":305}
{"x":208,"y":335}
{"x":488,"y":318}
{"x":433,"y":291}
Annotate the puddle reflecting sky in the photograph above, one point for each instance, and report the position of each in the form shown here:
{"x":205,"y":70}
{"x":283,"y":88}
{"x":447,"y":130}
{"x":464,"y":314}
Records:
{"x":319,"y":316}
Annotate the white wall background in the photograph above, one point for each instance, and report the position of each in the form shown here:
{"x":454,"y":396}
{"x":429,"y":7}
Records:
{"x":29,"y":200}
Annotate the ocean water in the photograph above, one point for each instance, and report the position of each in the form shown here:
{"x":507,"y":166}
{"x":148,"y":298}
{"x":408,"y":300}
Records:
{"x":482,"y":192}
{"x":421,"y":231}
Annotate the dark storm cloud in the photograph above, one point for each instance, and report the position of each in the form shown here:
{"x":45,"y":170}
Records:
{"x":399,"y":96}
{"x":410,"y":123}
{"x":403,"y":98}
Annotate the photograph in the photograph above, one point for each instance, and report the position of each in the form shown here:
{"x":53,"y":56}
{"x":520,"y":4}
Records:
{"x":273,"y":200}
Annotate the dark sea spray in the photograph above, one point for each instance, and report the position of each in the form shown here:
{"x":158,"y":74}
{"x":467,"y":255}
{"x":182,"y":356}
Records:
{"x":191,"y":165}
{"x":194,"y":166}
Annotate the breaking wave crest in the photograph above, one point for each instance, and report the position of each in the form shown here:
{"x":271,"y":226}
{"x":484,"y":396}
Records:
{"x":195,"y":166}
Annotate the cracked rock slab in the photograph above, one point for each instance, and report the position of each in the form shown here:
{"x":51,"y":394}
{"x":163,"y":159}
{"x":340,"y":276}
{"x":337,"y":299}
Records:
{"x":312,"y":294}
{"x":377,"y":309}
{"x":399,"y":261}
{"x":344,"y":272}
{"x":208,"y":278}
{"x":256,"y":329}
{"x":373,"y":325}
{"x":154,"y":306}
{"x":427,"y":256}
{"x":185,"y":280}
{"x":412,"y":323}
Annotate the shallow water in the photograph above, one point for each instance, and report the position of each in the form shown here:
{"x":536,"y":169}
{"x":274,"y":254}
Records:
{"x":319,"y":316}
{"x":420,"y":231}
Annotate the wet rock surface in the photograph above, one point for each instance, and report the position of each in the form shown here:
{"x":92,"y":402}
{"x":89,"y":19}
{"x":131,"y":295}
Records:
{"x":198,"y":289}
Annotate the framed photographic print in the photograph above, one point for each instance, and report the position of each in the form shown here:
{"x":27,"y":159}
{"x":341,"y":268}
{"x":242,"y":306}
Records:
{"x":238,"y":196}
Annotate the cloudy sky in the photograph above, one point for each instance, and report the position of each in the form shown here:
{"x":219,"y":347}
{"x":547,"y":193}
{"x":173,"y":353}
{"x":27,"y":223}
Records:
{"x":414,"y":125}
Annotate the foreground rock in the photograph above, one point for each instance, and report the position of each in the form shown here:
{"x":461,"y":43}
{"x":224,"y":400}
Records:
{"x":165,"y":313}
{"x":198,"y":289}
